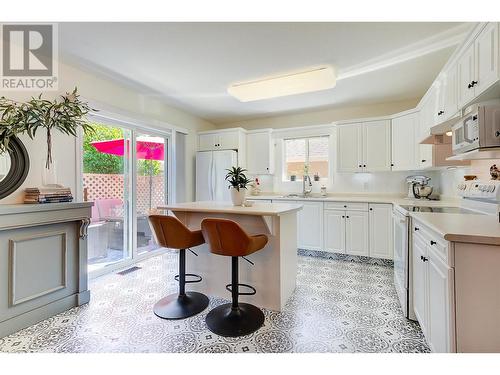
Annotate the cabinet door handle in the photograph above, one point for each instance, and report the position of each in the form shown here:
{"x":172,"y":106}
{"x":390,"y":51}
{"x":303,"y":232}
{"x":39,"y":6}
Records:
{"x":417,"y":229}
{"x":343,"y":217}
{"x":433,"y":242}
{"x":424,"y":259}
{"x":392,"y":164}
{"x":359,"y":166}
{"x":371,"y":209}
{"x":469,"y":86}
{"x":473,"y":83}
{"x":347,"y":217}
{"x":497,"y":133}
{"x":364,"y":165}
{"x":440,"y":113}
{"x":424,"y":160}
{"x":345,"y":206}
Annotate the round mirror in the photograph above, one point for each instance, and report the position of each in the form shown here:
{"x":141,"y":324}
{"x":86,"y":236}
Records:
{"x":14,"y":166}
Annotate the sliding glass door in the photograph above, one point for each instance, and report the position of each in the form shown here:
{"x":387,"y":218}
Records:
{"x":150,"y":185}
{"x":125,"y":175}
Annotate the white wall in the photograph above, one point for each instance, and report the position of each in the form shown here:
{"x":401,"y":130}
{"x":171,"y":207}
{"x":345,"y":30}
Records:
{"x":324,"y":116}
{"x":111,"y":95}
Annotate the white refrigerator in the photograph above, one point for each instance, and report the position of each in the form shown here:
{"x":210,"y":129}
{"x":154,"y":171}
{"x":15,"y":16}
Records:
{"x":211,"y":168}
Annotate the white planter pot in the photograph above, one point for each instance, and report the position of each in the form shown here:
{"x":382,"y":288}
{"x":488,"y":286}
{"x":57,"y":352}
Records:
{"x":238,"y":197}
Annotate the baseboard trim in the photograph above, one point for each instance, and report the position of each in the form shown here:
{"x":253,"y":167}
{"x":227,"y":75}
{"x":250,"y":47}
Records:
{"x":346,"y":257}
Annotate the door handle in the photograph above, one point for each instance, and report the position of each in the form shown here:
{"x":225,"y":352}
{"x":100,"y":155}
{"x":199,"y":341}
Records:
{"x":433,"y":242}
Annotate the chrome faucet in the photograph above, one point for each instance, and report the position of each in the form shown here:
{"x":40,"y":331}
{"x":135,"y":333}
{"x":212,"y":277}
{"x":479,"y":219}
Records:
{"x":306,"y":192}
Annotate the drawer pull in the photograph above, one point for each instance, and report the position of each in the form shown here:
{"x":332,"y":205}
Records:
{"x":424,"y":259}
{"x":417,"y":229}
{"x":433,"y":242}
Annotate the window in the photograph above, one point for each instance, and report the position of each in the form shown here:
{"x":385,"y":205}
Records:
{"x":306,"y":154}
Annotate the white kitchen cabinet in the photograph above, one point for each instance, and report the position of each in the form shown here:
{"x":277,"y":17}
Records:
{"x":450,"y":104}
{"x":433,"y":288}
{"x":465,"y":74}
{"x":310,"y":226}
{"x":356,"y":233}
{"x":349,"y":148}
{"x":364,"y":147}
{"x":377,"y":146}
{"x":221,"y":140}
{"x":486,"y":58}
{"x":260,"y":152}
{"x":334,"y":232}
{"x":207,"y":142}
{"x":440,"y":295}
{"x":346,"y":232}
{"x":381,"y":238}
{"x":403,"y":142}
{"x":420,"y":282}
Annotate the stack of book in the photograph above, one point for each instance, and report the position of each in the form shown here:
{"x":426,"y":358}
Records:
{"x":48,"y":195}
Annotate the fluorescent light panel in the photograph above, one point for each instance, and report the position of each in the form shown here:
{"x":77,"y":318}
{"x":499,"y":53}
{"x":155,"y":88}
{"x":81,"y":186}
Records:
{"x":290,"y":84}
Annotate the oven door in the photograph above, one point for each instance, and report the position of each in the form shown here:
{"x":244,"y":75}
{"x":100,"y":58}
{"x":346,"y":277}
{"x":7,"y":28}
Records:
{"x":400,"y":225}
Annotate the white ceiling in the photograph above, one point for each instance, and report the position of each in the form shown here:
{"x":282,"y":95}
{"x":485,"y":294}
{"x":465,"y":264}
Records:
{"x":190,"y":65}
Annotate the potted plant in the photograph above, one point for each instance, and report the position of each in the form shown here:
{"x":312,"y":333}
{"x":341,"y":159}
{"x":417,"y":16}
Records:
{"x":66,"y":115}
{"x":237,"y":184}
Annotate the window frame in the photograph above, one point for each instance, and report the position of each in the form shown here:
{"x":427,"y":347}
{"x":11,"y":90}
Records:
{"x":284,"y":175}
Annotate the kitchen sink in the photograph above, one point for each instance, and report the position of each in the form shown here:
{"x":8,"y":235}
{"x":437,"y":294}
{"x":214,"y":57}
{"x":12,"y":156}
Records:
{"x":295,"y":196}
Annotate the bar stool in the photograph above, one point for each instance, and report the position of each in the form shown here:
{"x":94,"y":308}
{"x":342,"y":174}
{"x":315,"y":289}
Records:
{"x":227,"y":238}
{"x":170,"y":232}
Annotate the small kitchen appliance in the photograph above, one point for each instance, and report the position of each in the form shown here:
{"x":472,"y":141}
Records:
{"x":418,"y":187}
{"x":479,"y":128}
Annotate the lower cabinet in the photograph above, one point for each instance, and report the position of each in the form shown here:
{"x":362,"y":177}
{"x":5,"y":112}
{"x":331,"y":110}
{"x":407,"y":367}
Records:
{"x":310,"y":226}
{"x":433,"y":285}
{"x":381,"y":237}
{"x":346,"y":232}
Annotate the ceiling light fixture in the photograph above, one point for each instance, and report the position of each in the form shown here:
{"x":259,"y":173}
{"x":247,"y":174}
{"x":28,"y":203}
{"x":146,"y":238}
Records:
{"x":317,"y":79}
{"x":449,"y":133}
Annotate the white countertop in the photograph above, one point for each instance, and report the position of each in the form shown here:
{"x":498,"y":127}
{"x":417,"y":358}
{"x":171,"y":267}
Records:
{"x":483,"y":229}
{"x":258,"y":209}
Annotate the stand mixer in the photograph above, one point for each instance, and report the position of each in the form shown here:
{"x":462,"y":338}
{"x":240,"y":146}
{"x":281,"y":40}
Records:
{"x":418,"y":187}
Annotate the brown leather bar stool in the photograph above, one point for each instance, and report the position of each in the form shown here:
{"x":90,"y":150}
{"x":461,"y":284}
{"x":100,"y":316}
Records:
{"x":170,"y":232}
{"x":227,"y":238}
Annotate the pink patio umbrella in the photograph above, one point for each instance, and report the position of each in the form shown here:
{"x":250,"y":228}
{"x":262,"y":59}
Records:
{"x":145,"y":150}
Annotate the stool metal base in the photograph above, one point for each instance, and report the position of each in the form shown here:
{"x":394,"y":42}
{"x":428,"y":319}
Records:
{"x":177,"y":306}
{"x":227,"y":321}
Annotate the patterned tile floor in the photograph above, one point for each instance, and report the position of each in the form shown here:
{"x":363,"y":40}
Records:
{"x":338,"y":306}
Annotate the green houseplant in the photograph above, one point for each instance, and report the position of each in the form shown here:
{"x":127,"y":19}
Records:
{"x":66,"y":115}
{"x":238,"y":183}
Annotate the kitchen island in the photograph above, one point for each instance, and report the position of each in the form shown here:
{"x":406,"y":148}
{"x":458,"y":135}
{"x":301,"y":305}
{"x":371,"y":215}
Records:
{"x":275,"y":266}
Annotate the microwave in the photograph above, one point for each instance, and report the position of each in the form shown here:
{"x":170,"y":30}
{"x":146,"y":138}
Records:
{"x":479,"y":129}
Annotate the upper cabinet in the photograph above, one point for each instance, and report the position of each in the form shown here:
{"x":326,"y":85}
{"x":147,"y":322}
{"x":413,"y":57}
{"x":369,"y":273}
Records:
{"x":377,"y":146}
{"x":403,"y":142}
{"x":486,"y":58}
{"x":466,"y":81}
{"x":477,"y":67}
{"x":260,"y":152}
{"x":223,"y":140}
{"x":364,"y":147}
{"x":227,"y":139}
{"x":350,"y":148}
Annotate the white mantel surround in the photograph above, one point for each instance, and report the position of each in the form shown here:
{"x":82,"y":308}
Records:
{"x":275,"y":269}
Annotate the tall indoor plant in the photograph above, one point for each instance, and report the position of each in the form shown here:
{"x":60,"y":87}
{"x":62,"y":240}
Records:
{"x":66,"y":115}
{"x":238,"y":182}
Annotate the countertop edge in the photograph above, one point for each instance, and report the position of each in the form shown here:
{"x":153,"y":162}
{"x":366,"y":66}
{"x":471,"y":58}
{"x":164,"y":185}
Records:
{"x":10,"y":209}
